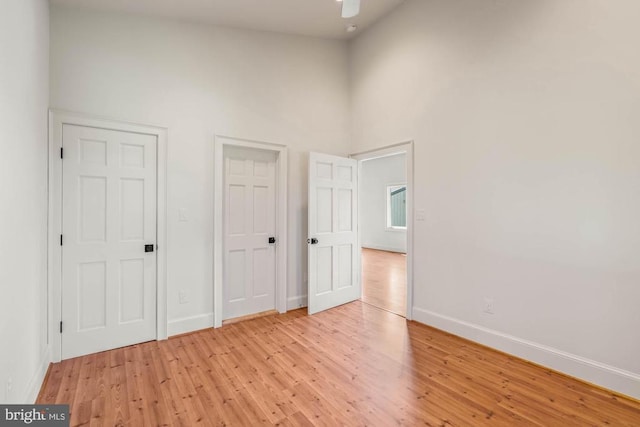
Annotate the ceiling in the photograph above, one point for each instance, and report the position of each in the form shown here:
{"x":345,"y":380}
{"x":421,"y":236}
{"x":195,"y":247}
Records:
{"x":319,"y":18}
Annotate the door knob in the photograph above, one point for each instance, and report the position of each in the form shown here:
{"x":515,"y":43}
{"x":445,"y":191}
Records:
{"x":272,"y":240}
{"x":148,"y":248}
{"x":313,"y":241}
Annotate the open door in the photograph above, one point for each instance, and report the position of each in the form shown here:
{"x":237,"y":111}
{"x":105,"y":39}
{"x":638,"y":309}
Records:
{"x":334,"y":277}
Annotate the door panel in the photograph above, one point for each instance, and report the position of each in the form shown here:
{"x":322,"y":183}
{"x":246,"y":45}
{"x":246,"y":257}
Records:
{"x":345,"y":266}
{"x":250,"y":219}
{"x":92,"y":202}
{"x":131,"y":290}
{"x":109,"y":214}
{"x":131,"y":209}
{"x":92,"y":294}
{"x":333,"y":201}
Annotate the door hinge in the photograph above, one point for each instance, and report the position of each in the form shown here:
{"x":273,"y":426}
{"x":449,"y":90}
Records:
{"x":61,"y":153}
{"x":61,"y":240}
{"x":61,"y":326}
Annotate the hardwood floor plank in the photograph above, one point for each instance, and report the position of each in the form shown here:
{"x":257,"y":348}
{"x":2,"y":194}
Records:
{"x":352,"y":365}
{"x":55,"y":377}
{"x":296,"y":419}
{"x":117,"y":386}
{"x":188,"y":382}
{"x":384,"y":280}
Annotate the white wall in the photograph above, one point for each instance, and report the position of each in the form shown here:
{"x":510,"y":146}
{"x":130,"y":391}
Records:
{"x":375,"y":176}
{"x":199,"y":81}
{"x":24,"y":100}
{"x":527,"y":145}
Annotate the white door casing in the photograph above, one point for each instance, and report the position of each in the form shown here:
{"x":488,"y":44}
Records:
{"x":109,"y":213}
{"x":249,"y":222}
{"x":334,"y":276}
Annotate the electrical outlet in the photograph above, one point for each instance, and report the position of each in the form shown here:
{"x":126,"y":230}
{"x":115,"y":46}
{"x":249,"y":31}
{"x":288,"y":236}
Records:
{"x":488,"y":305}
{"x":182,"y":215}
{"x":9,"y":389}
{"x":183,"y":297}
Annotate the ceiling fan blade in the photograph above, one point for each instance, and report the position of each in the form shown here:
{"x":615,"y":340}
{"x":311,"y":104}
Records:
{"x":350,"y":8}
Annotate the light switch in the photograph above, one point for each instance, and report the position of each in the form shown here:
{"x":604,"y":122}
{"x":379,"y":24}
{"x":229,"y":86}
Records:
{"x":420,"y":215}
{"x":182,"y":214}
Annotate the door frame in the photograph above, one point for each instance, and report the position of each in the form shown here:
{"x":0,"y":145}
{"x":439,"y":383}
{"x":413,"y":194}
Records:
{"x":220,"y":141}
{"x":57,"y":119}
{"x":389,"y":150}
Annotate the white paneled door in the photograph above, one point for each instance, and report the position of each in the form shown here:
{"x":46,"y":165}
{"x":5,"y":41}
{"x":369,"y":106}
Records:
{"x":249,"y":224}
{"x":334,"y":277}
{"x":108,"y":242}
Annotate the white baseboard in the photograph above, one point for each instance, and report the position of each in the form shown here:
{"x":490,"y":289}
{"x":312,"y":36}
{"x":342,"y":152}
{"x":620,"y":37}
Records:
{"x":190,"y":324}
{"x":36,"y":382}
{"x":385,"y":248}
{"x":610,"y":377}
{"x":296,"y":302}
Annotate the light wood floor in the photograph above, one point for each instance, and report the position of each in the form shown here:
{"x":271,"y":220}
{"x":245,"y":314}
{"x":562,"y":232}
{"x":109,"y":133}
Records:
{"x":384,"y":280}
{"x":352,"y":365}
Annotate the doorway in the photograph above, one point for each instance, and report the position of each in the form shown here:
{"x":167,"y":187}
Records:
{"x":249,"y":232}
{"x":336,"y":215}
{"x":385,"y":194}
{"x":106,"y":223}
{"x":383,"y":238}
{"x":250,"y":228}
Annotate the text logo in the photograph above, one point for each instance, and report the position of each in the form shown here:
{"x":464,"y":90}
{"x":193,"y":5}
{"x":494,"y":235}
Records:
{"x":34,"y":415}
